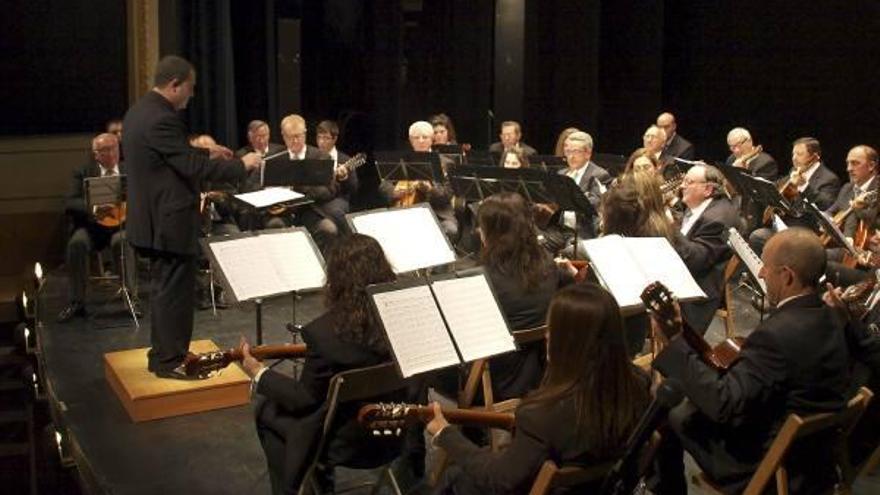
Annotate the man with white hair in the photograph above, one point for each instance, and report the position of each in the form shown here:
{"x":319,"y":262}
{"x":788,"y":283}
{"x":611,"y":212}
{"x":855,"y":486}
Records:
{"x":653,"y":140}
{"x":745,"y":155}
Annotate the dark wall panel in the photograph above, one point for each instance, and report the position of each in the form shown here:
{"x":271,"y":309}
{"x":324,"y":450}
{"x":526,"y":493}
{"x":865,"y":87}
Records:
{"x":64,"y":66}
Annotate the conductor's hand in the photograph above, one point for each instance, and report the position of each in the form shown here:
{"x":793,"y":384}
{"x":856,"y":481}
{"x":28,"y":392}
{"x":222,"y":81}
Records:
{"x":250,"y":364}
{"x":251,"y":161}
{"x":218,"y":152}
{"x":438,"y":422}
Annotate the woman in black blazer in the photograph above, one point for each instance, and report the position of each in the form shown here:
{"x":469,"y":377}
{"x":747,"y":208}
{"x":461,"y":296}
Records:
{"x":289,"y":412}
{"x":590,"y":400}
{"x":525,"y":278}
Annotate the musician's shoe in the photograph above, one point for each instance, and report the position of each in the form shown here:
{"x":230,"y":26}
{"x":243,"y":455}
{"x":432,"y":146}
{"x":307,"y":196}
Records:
{"x":178,"y":373}
{"x":73,"y":309}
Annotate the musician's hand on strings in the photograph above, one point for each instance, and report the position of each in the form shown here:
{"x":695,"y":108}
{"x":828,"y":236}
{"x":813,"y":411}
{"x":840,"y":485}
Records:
{"x":103,"y":211}
{"x":250,"y":364}
{"x":796,"y":177}
{"x":252,"y":160}
{"x":566,"y":265}
{"x":832,"y":297}
{"x":341,"y":174}
{"x":423,"y":187}
{"x":438,"y":422}
{"x":545,"y":208}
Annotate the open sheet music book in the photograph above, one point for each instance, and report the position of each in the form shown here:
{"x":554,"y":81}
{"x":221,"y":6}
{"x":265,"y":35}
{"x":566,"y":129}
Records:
{"x":752,"y":261}
{"x":626,"y":265}
{"x":432,"y":325}
{"x":266,"y":263}
{"x":411,"y":237}
{"x":269,"y":196}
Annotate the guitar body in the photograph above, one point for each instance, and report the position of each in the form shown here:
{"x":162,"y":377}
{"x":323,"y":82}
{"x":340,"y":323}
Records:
{"x":860,"y":242}
{"x":114,"y":218}
{"x":410,"y":192}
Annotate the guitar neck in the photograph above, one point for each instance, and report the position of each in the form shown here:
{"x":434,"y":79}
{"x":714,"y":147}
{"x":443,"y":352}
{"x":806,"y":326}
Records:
{"x":469,"y":417}
{"x":271,"y":351}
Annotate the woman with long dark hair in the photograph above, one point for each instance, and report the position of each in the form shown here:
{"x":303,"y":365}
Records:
{"x":589,"y":401}
{"x":346,"y":336}
{"x":524,"y":277}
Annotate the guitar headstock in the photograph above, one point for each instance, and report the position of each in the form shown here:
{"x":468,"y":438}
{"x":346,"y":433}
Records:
{"x":356,"y":161}
{"x":386,"y":419}
{"x":206,"y":364}
{"x":660,"y":303}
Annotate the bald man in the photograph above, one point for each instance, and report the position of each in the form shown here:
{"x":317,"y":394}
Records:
{"x":795,"y":361}
{"x":89,"y":234}
{"x":675,"y":146}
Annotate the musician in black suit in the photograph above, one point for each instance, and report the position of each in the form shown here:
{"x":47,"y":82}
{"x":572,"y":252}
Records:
{"x":589,"y":402}
{"x":347,"y":183}
{"x":259,"y":137}
{"x":593,"y":181}
{"x":676,"y":146}
{"x":745,"y":155}
{"x":795,"y":361}
{"x":165,"y":174}
{"x":861,"y":166}
{"x":511,"y":137}
{"x":814,"y":182}
{"x":88,"y":234}
{"x":701,"y":240}
{"x":289,"y":412}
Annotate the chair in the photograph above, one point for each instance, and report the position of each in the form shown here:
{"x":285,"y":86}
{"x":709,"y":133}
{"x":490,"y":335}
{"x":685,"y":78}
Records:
{"x":347,"y":387}
{"x":725,"y":312}
{"x":796,"y":428}
{"x":552,"y":477}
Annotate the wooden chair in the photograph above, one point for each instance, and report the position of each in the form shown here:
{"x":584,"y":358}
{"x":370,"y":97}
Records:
{"x":350,"y":386}
{"x":795,"y":428}
{"x":552,"y":477}
{"x":725,"y":312}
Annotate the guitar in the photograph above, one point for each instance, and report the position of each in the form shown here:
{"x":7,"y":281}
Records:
{"x":660,"y":303}
{"x":112,"y":215}
{"x":208,"y":364}
{"x":391,"y":418}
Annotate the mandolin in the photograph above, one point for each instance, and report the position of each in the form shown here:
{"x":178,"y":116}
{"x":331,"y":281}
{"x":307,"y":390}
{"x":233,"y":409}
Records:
{"x":207,"y":364}
{"x":391,"y":418}
{"x":349,"y":166}
{"x":660,"y":303}
{"x":112,"y":216}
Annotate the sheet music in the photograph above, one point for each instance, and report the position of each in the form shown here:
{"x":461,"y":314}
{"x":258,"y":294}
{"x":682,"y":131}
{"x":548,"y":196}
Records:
{"x":269,"y":264}
{"x":295,"y":260}
{"x":269,"y":196}
{"x":415,"y":330}
{"x":628,"y":265}
{"x":249,"y":272}
{"x":473,"y":316}
{"x":752,"y":261}
{"x":410,"y":237}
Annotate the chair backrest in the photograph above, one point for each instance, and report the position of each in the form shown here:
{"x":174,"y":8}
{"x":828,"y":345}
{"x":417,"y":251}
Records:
{"x":551,"y":476}
{"x":796,"y":428}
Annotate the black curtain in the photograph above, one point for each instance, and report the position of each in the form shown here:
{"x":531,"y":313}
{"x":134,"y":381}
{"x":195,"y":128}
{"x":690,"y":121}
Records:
{"x":205,"y":39}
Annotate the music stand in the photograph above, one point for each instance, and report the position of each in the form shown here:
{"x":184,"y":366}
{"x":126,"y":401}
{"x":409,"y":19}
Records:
{"x":482,"y":158}
{"x":282,"y":171}
{"x":113,"y":189}
{"x":477,"y":183}
{"x":569,"y":196}
{"x":550,"y":163}
{"x":409,"y":165}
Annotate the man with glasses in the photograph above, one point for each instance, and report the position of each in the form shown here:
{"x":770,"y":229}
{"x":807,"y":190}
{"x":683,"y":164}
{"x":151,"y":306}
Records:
{"x":745,"y":155}
{"x":90,"y":230}
{"x":701,"y":240}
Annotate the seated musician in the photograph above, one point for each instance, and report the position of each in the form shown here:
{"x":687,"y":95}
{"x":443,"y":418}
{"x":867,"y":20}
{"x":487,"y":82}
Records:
{"x":642,"y":159}
{"x":795,"y":361}
{"x":346,"y":336}
{"x":589,"y":402}
{"x":653,"y":140}
{"x":676,"y":146}
{"x":511,"y":137}
{"x":317,"y":217}
{"x":559,"y":149}
{"x":745,"y":155}
{"x":593,"y":181}
{"x":524,"y":277}
{"x":634,"y":207}
{"x":259,"y":137}
{"x":444,"y":130}
{"x":701,"y":240}
{"x":437,"y":194}
{"x":94,"y":229}
{"x":809,"y":179}
{"x":346,"y":184}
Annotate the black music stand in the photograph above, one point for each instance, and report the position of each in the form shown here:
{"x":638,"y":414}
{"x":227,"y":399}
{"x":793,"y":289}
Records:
{"x":112,"y":189}
{"x":282,"y":171}
{"x":478,"y":183}
{"x":569,"y":196}
{"x":550,"y":163}
{"x":480,"y":158}
{"x":408,"y":165}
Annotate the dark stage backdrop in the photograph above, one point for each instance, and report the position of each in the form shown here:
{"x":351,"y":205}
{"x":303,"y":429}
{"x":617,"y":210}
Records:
{"x":63,"y":66}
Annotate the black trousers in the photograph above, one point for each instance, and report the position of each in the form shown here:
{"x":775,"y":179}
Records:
{"x":172,"y":301}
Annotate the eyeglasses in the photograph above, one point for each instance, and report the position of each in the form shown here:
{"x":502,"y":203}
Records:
{"x":686,"y":181}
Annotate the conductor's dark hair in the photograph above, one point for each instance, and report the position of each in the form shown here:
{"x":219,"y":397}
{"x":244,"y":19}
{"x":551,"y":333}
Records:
{"x":172,"y":68}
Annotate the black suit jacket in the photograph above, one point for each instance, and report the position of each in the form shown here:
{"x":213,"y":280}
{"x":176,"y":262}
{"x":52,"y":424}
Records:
{"x":165,"y":175}
{"x":763,"y":165}
{"x":704,"y":251}
{"x":294,"y":409}
{"x":822,"y":188}
{"x":678,"y":147}
{"x":74,"y":202}
{"x":844,"y":197}
{"x":590,"y":185}
{"x":795,"y":361}
{"x":497,"y":148}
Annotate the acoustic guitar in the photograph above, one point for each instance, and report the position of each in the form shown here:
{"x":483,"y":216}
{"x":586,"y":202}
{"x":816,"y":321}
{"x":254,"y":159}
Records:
{"x":391,"y":418}
{"x":208,"y":364}
{"x":660,"y":303}
{"x":112,"y":216}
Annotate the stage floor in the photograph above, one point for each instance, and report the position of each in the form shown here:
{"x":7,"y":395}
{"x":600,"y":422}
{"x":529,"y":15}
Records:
{"x":210,"y":452}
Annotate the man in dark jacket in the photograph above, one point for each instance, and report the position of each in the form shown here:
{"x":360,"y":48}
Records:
{"x":165,"y":174}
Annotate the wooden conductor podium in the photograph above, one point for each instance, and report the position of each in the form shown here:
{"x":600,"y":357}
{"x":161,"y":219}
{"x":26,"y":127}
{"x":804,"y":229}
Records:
{"x":147,"y":397}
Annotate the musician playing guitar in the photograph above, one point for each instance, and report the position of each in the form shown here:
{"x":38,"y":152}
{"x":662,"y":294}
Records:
{"x":795,"y":361}
{"x":590,"y":401}
{"x":94,"y":229}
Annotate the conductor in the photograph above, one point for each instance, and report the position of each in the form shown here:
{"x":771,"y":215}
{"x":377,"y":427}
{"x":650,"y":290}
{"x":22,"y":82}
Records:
{"x":165,"y":177}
